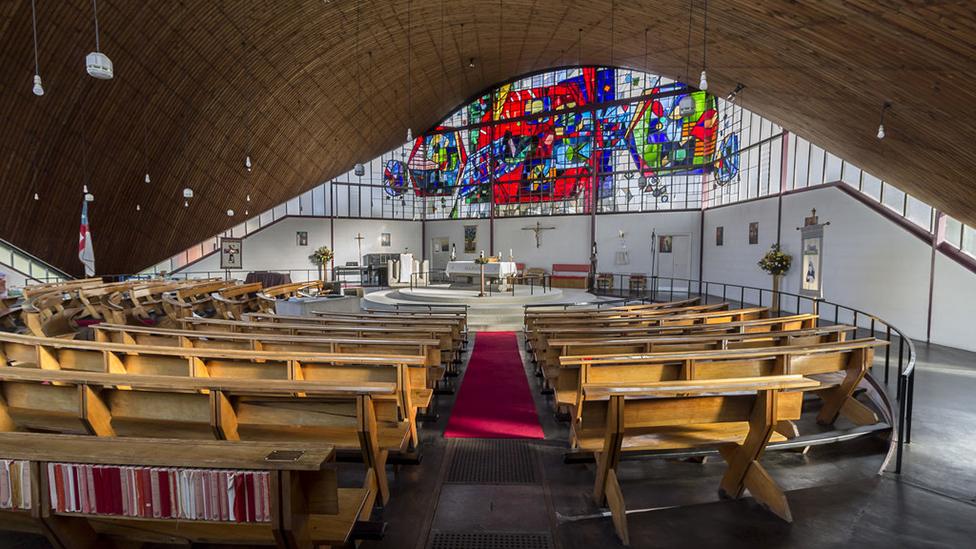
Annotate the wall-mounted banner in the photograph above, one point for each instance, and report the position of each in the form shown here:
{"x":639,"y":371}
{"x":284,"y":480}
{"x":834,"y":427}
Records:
{"x":231,"y":253}
{"x":811,"y":256}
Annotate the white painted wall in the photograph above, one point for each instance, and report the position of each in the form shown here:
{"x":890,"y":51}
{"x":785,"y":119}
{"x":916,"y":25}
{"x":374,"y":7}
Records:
{"x":275,"y":248}
{"x":569,"y":242}
{"x":637,"y":238}
{"x":870,"y":263}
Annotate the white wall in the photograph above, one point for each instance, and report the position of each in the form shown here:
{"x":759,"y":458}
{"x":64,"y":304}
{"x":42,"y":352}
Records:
{"x":637,"y":229}
{"x":275,"y":248}
{"x":569,"y":242}
{"x":869,"y":263}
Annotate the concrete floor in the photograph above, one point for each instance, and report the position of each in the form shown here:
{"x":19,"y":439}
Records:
{"x":836,"y":496}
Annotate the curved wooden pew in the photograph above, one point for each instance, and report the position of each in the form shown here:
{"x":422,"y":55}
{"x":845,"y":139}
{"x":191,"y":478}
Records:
{"x":566,"y":380}
{"x":328,"y":319}
{"x":346,"y":415}
{"x":838,"y":366}
{"x":736,"y":416}
{"x":234,"y":302}
{"x":305,"y":505}
{"x":192,"y":299}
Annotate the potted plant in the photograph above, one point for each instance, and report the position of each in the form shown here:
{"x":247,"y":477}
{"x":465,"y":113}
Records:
{"x":320,"y":258}
{"x":776,"y":262}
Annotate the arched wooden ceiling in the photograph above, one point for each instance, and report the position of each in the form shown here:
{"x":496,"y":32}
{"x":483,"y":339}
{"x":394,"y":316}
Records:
{"x":208,"y":78}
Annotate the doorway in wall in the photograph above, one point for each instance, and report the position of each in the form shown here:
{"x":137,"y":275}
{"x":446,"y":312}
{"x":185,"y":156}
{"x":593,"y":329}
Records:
{"x":440,"y":253}
{"x":674,"y":260}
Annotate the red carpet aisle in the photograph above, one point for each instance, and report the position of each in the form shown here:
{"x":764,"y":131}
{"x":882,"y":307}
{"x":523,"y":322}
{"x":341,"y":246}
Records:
{"x":494,"y":400}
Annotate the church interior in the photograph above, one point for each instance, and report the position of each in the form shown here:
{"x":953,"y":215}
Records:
{"x":512,"y":274}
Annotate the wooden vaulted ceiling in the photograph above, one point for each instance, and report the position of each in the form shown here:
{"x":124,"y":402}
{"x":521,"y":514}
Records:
{"x":202,"y":81}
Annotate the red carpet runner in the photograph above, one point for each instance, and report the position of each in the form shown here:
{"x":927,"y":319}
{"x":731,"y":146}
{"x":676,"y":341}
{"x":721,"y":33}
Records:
{"x":494,"y":400}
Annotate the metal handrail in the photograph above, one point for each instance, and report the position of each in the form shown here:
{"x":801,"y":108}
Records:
{"x":905,"y":389}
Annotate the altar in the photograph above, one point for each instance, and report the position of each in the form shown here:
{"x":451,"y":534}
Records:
{"x":498,"y":270}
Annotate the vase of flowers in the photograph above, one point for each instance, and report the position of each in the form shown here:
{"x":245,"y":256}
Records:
{"x":320,"y":258}
{"x":776,"y":262}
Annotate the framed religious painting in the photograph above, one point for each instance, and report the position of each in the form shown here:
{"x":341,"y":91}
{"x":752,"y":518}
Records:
{"x":231,"y":253}
{"x":470,"y":238}
{"x":301,"y":238}
{"x":664,"y":244}
{"x":719,"y":236}
{"x":385,"y":240}
{"x":754,"y":232}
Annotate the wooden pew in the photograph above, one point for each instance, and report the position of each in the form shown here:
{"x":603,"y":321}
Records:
{"x":567,"y":385}
{"x":345,"y":415}
{"x":450,"y":348}
{"x":192,"y":299}
{"x":60,"y":287}
{"x":459,"y":317}
{"x":690,"y":305}
{"x":737,"y":416}
{"x":778,"y":324}
{"x":838,"y":366}
{"x":268,"y":297}
{"x":457,"y":327}
{"x":306,"y":505}
{"x":407,"y":373}
{"x":234,"y":302}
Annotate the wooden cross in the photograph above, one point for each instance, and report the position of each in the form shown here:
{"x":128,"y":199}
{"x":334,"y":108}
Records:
{"x":538,"y":232}
{"x":359,"y":241}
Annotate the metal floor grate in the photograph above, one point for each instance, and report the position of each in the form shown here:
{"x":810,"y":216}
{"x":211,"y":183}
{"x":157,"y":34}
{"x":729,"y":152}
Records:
{"x":492,"y":462}
{"x":490,"y":540}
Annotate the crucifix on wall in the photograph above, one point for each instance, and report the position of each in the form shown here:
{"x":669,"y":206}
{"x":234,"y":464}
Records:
{"x":359,"y":241}
{"x":538,"y":232}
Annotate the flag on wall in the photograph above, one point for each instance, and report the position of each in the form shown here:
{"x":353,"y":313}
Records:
{"x":86,"y":251}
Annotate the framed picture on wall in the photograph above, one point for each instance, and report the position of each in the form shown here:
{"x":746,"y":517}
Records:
{"x":470,"y":238}
{"x":301,"y":238}
{"x":754,"y":232}
{"x":719,"y":236}
{"x":811,"y":256}
{"x":664,"y":244}
{"x":231,"y":253}
{"x":384,"y":239}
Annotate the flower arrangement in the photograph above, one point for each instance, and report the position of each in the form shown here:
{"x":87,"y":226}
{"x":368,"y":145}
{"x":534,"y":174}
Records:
{"x":321,"y":256}
{"x":776,"y":261}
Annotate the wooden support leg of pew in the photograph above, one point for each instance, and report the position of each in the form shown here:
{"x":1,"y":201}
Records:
{"x":741,"y":457}
{"x":788,"y":429}
{"x":373,"y":456}
{"x":835,"y":398}
{"x":762,"y":487}
{"x":291,"y":527}
{"x":95,"y":414}
{"x":618,"y":511}
{"x":608,"y":459}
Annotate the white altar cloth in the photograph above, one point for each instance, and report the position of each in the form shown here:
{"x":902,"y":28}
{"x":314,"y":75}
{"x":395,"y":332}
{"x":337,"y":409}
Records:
{"x":499,"y":270}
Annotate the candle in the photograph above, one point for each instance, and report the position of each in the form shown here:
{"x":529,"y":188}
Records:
{"x":510,"y":254}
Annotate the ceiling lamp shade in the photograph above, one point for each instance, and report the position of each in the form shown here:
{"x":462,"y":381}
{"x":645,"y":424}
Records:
{"x":37,"y":196}
{"x":99,"y":66}
{"x":147,"y":178}
{"x":138,"y":208}
{"x":247,"y":163}
{"x":97,"y":63}
{"x":230,"y":213}
{"x":703,"y":82}
{"x":89,"y":197}
{"x":686,"y":105}
{"x":409,"y":134}
{"x":187,"y":193}
{"x":359,"y":169}
{"x":38,"y":88}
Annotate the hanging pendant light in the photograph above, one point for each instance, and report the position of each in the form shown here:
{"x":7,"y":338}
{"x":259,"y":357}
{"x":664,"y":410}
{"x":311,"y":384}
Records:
{"x":138,"y":208}
{"x":409,"y":71}
{"x":881,"y":128}
{"x":187,"y":193}
{"x":147,"y":178}
{"x":186,"y":203}
{"x":359,"y":169}
{"x":247,"y":163}
{"x":37,"y":196}
{"x":38,"y":88}
{"x":230,"y":213}
{"x":703,"y":80}
{"x":97,"y":63}
{"x":248,"y":198}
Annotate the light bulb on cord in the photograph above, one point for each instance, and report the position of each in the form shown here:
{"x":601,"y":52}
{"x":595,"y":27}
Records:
{"x":37,"y":196}
{"x":246,"y":212}
{"x":38,"y":88}
{"x":230,"y":213}
{"x":248,"y":198}
{"x":186,"y":204}
{"x":247,"y":162}
{"x":703,"y":82}
{"x":147,"y":178}
{"x":138,"y":208}
{"x":409,"y":134}
{"x":84,"y":189}
{"x":881,"y":128}
{"x":881,"y":132}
